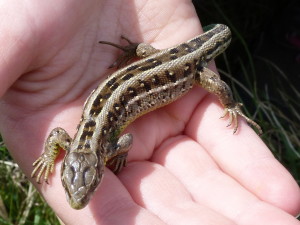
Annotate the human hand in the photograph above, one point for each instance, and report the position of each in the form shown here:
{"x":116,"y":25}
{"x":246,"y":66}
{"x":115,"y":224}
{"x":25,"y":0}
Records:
{"x":185,"y":166}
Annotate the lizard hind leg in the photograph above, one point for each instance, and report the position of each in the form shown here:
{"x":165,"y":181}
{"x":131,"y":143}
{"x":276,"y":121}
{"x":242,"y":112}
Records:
{"x":234,"y":112}
{"x":130,"y":51}
{"x":212,"y":82}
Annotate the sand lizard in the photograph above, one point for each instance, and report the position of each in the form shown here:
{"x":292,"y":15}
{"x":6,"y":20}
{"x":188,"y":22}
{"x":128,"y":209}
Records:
{"x":157,"y":79}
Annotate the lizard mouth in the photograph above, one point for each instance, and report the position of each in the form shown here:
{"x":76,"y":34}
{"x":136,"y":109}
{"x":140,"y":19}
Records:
{"x":79,"y":199}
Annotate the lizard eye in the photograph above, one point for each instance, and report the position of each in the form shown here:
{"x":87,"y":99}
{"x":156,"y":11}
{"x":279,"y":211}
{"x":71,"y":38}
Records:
{"x":89,"y":176}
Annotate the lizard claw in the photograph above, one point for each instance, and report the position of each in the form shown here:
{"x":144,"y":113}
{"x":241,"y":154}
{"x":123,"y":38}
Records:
{"x":129,"y":52}
{"x":233,"y":112}
{"x":117,"y":163}
{"x":43,"y":165}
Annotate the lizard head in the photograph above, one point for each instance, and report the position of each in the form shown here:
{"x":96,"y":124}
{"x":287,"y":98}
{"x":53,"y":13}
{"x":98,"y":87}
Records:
{"x":81,"y":174}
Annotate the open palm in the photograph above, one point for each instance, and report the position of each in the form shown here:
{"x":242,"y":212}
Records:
{"x":185,"y":166}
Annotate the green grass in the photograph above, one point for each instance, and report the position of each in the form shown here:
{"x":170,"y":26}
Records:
{"x":266,"y":89}
{"x":265,"y":86}
{"x":20,"y":203}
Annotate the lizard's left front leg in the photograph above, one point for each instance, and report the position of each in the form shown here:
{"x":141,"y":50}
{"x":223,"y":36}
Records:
{"x":213,"y":83}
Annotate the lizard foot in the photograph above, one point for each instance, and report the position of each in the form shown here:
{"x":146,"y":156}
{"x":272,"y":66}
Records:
{"x":129,"y":52}
{"x":117,"y":163}
{"x":43,"y":165}
{"x":233,"y":112}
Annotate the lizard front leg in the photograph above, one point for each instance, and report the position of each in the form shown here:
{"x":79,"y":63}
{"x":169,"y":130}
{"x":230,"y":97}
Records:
{"x":213,"y":83}
{"x":58,"y":139}
{"x":117,"y":153}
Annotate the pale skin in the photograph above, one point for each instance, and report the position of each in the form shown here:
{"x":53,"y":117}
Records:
{"x":185,"y":166}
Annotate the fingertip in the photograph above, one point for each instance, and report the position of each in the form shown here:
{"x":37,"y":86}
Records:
{"x":283,"y":191}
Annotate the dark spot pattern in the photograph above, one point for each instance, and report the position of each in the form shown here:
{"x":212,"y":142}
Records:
{"x":111,"y":81}
{"x":153,"y":63}
{"x":197,"y":43}
{"x":145,"y":85}
{"x":187,"y":48}
{"x":171,"y":76}
{"x":174,"y":51}
{"x":104,"y":130}
{"x":107,"y":95}
{"x":127,"y":76}
{"x":132,"y":91}
{"x":123,"y":100}
{"x":150,"y":60}
{"x":117,"y":107}
{"x":89,"y":124}
{"x":199,"y":67}
{"x":156,"y":80}
{"x":85,"y":134}
{"x":97,"y":101}
{"x":145,"y":68}
{"x":114,"y":86}
{"x":157,"y":63}
{"x":111,"y":116}
{"x":130,"y":68}
{"x":187,"y":70}
{"x":96,"y":105}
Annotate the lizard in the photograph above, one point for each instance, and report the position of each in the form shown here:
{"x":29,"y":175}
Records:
{"x":158,"y":78}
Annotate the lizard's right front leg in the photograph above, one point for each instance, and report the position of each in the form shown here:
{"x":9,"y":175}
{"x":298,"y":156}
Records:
{"x":58,"y":139}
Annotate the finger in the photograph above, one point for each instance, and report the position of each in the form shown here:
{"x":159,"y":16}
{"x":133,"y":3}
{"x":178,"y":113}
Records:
{"x":110,"y":204}
{"x":211,"y":187}
{"x":155,"y":189}
{"x":244,"y":157}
